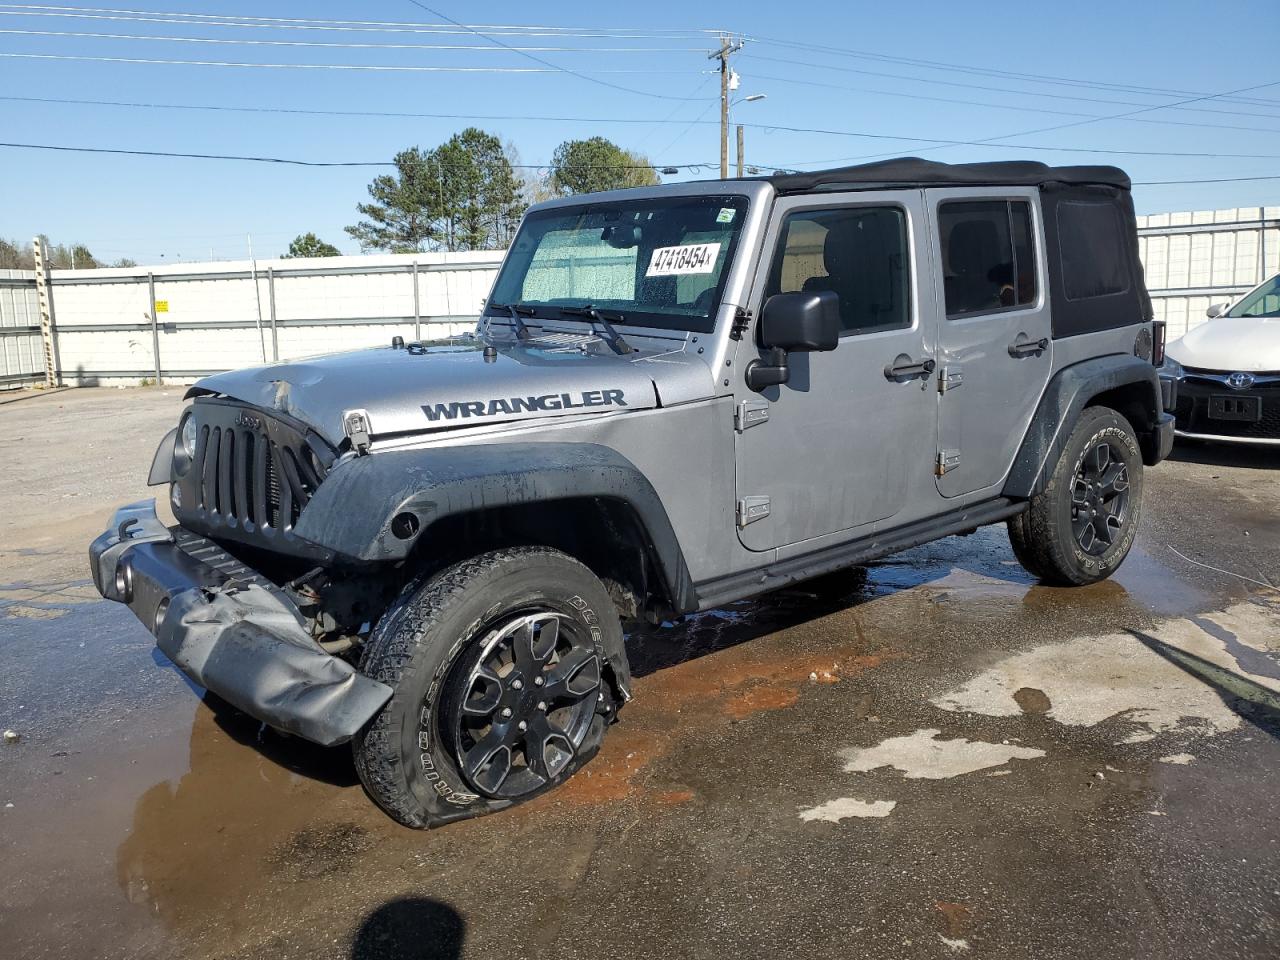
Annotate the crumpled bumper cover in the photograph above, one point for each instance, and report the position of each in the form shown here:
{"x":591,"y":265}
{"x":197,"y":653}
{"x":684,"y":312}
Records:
{"x":229,"y":629}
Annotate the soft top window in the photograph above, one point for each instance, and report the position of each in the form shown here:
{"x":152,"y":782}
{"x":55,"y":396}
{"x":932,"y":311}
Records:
{"x":1094,"y":262}
{"x":1091,"y":248}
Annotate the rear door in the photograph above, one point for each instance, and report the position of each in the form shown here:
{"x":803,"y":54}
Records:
{"x":994,"y":344}
{"x":842,"y":445}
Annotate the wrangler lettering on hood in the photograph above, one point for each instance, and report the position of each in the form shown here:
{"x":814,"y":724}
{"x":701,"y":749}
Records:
{"x":506,"y":406}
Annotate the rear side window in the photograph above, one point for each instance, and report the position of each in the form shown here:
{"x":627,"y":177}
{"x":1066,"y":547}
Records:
{"x":859,"y":253}
{"x":1092,"y":243}
{"x":988,"y":255}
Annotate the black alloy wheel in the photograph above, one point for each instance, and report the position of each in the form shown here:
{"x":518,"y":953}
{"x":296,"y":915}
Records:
{"x":524,"y":703}
{"x":1099,"y":498}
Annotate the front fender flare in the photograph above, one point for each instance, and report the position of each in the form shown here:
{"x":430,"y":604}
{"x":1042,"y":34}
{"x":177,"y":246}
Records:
{"x":1064,"y":399}
{"x":352,"y":511}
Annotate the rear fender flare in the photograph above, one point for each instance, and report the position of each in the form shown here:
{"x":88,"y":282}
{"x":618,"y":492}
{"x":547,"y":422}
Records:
{"x":1064,"y":399}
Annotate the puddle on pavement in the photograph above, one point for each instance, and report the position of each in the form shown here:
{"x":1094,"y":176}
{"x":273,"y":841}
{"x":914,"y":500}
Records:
{"x":166,"y":798}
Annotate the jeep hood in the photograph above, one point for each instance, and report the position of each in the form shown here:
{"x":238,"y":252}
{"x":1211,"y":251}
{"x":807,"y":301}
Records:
{"x":454,"y":385}
{"x":1231,"y":343}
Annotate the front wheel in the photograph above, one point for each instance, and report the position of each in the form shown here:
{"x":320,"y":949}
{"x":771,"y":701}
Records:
{"x":1080,"y":529}
{"x":499,"y":672}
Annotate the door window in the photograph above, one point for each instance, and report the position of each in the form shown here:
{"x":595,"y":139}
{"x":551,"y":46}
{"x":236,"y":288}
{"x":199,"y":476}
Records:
{"x":859,"y":253}
{"x":988,"y":256}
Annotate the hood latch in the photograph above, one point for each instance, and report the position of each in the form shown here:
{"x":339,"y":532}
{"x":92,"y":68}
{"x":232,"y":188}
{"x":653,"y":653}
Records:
{"x":355,"y":424}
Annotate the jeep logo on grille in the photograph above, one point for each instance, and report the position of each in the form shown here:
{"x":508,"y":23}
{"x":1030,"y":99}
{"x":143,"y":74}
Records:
{"x":1240,"y":380}
{"x":248,"y":422}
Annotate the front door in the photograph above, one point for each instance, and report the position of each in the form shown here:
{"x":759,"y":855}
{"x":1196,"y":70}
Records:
{"x":995,"y":345}
{"x":849,"y":441}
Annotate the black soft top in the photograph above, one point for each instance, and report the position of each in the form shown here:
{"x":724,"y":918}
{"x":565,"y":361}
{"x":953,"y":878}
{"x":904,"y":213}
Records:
{"x":915,"y":172}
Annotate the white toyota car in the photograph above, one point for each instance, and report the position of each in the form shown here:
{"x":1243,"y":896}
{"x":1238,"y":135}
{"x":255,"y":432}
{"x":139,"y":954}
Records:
{"x":1223,"y":378}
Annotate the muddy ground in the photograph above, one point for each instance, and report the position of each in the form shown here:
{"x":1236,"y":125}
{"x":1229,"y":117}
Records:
{"x":935,"y":758}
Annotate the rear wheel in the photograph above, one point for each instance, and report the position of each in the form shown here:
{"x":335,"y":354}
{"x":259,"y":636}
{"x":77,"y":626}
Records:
{"x":500,"y":688}
{"x":1080,"y":529}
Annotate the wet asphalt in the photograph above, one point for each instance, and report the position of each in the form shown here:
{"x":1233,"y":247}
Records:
{"x":931,"y":757}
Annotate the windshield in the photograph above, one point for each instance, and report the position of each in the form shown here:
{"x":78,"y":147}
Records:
{"x":660,"y":262}
{"x":1263,"y":302}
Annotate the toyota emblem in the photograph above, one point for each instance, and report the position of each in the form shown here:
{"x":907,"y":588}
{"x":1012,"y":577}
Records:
{"x":1240,"y":380}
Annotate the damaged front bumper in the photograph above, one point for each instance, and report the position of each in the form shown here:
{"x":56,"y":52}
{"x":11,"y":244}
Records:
{"x":229,"y":629}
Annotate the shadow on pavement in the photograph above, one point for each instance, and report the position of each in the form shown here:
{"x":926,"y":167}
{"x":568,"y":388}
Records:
{"x":1258,"y":457}
{"x":410,"y":928}
{"x":1251,"y":700}
{"x":332,"y":765}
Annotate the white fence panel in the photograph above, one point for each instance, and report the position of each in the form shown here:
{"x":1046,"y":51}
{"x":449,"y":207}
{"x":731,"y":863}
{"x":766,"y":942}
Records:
{"x":210,"y":317}
{"x":21,"y":351}
{"x":1197,"y":258}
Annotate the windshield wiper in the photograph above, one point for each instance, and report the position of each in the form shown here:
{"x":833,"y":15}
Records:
{"x":516,"y":309}
{"x":611,"y":336}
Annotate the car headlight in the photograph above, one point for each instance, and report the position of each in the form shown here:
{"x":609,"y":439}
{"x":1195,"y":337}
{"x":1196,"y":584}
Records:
{"x":184,"y":447}
{"x":1171,"y":368}
{"x":187,"y":436}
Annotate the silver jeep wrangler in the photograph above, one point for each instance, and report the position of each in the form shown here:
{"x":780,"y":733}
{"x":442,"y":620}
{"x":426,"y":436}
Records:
{"x":677,"y":396}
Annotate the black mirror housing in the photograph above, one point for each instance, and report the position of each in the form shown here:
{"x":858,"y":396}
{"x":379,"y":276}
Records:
{"x":801,"y":321}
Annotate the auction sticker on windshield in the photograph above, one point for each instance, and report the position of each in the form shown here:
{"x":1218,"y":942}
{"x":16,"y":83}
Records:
{"x":686,"y":258}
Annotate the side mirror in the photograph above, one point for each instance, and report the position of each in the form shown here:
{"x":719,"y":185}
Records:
{"x":1216,"y":310}
{"x":803,"y":322}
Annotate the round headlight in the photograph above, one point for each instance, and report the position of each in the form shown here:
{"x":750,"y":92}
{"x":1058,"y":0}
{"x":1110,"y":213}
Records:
{"x":187,"y":436}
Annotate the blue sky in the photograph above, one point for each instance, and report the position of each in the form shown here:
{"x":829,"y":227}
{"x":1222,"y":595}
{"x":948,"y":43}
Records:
{"x":1108,"y":58}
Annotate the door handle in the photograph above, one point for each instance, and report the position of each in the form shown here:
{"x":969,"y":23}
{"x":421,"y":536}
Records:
{"x":902,"y":367}
{"x":1022,"y":347}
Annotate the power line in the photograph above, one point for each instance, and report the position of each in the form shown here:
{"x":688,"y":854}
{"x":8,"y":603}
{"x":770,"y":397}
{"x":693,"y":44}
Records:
{"x":1167,"y":183}
{"x":378,"y":114}
{"x":199,"y":156}
{"x":350,"y":26}
{"x":1133,"y":113}
{"x":987,"y":141}
{"x":330,"y":45}
{"x":546,"y":63}
{"x":377,"y":67}
{"x":763,"y":127}
{"x":992,"y":89}
{"x":1020,"y":108}
{"x":964,"y":68}
{"x":692,"y":167}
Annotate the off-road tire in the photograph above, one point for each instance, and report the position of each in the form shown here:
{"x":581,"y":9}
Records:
{"x":1043,"y":538}
{"x":405,"y":756}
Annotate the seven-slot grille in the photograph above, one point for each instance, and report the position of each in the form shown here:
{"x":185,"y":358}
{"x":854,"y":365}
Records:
{"x":250,"y":472}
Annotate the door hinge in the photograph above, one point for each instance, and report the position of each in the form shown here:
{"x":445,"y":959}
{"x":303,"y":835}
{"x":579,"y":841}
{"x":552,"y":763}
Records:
{"x":950,"y":376}
{"x":741,"y":320}
{"x":751,"y":509}
{"x":947,"y":460}
{"x":750,"y":413}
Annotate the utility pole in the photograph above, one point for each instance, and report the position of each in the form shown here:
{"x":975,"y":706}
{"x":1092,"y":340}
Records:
{"x":728,"y":47}
{"x":740,"y":158}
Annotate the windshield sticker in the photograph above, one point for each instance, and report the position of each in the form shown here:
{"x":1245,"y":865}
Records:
{"x":726,"y":215}
{"x":506,"y":406}
{"x":684,"y":259}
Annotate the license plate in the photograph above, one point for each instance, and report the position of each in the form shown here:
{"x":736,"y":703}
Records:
{"x":1248,"y":409}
